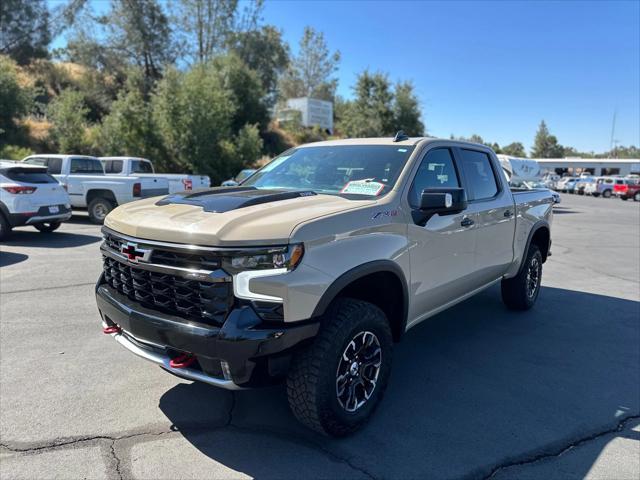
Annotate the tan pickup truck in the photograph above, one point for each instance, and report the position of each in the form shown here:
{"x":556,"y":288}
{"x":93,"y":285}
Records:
{"x":312,"y":268}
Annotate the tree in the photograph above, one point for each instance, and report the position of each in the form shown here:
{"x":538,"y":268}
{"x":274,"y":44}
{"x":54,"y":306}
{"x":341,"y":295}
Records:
{"x":129,"y":128}
{"x":68,"y":116}
{"x":546,"y":145}
{"x":207,"y":25}
{"x":15,"y":101}
{"x":264,"y":52}
{"x":310,"y":72}
{"x":138,"y":30}
{"x":370,"y":114}
{"x":24,"y":29}
{"x":406,"y":110}
{"x":514,"y":149}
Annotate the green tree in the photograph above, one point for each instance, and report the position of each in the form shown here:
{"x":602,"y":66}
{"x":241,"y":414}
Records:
{"x":68,"y":117}
{"x":24,"y":29}
{"x":311,"y":71}
{"x":129,"y":128}
{"x":246,"y":90}
{"x":515,"y":149}
{"x":371,"y":113}
{"x":264,"y":52}
{"x":406,"y":110}
{"x":546,"y":145}
{"x":15,"y":101}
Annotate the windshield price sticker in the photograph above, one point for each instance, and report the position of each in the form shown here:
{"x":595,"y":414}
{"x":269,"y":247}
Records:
{"x":363,"y":187}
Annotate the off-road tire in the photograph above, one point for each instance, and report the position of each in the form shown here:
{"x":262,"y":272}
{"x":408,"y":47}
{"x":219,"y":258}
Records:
{"x":99,"y":208}
{"x":515,"y":292}
{"x":5,"y":228}
{"x":311,"y":382}
{"x":47,"y":227}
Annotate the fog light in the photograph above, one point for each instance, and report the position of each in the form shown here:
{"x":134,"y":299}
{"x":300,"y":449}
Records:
{"x":226,"y":371}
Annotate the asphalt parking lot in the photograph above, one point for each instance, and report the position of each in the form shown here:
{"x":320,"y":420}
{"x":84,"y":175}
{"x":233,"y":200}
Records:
{"x":475,"y":392}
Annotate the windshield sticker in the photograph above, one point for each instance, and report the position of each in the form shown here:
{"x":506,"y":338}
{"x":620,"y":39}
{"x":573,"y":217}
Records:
{"x":363,"y":187}
{"x":274,"y":163}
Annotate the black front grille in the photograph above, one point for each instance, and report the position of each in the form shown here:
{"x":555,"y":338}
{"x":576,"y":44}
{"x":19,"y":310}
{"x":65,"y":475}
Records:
{"x":191,"y":299}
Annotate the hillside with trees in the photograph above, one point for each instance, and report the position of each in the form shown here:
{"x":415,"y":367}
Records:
{"x":191,"y":85}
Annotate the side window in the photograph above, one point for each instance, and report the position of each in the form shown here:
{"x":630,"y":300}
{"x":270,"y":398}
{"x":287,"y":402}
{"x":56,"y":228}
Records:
{"x":86,"y":166}
{"x":479,"y":175}
{"x":54,"y":166}
{"x":113,"y":166}
{"x":437,"y":170}
{"x":138,"y":166}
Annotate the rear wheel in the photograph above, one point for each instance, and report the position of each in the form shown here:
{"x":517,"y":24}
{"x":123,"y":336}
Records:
{"x":624,"y":198}
{"x":336,"y":383}
{"x":5,"y":228}
{"x":47,"y":227}
{"x":99,"y":208}
{"x":521,"y":291}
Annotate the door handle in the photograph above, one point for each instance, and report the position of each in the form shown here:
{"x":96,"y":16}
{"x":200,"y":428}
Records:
{"x":467,"y":222}
{"x":508,"y":213}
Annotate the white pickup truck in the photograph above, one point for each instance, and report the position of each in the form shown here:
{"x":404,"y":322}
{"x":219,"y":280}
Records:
{"x":178,"y":182}
{"x":90,"y":188}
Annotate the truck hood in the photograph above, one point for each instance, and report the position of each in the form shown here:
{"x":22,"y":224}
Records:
{"x":241,"y":216}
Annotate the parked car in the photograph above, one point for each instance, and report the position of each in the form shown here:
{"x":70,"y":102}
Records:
{"x":602,"y":186}
{"x":626,"y":188}
{"x":567,"y":184}
{"x":141,"y":167}
{"x":243,"y":175}
{"x":90,"y":188}
{"x":551,"y":180}
{"x":316,"y":265}
{"x":30,"y":196}
{"x":534,"y":185}
{"x":581,"y":184}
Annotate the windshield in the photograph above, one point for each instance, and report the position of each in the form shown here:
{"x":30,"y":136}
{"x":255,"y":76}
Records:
{"x":369,"y":170}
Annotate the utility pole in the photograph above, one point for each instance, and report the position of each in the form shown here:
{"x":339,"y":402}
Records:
{"x":612,"y":144}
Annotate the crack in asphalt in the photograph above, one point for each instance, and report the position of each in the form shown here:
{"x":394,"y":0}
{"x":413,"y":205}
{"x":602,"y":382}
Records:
{"x":621,"y":425}
{"x":112,"y":448}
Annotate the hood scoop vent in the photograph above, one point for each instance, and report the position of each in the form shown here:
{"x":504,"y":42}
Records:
{"x":225,"y":199}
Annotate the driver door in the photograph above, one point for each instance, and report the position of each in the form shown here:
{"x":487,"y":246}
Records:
{"x":443,"y":249}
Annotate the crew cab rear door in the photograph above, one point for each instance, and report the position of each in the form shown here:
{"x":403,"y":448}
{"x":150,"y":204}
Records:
{"x":443,"y":249}
{"x":491,"y":203}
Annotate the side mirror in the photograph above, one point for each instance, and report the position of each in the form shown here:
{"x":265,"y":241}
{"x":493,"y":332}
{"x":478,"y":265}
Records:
{"x":443,"y":200}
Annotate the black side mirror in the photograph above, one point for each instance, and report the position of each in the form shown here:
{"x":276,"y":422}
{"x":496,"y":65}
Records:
{"x":443,"y":200}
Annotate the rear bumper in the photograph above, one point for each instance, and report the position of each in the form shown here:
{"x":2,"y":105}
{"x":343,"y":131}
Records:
{"x":42,"y":215}
{"x":243,"y":352}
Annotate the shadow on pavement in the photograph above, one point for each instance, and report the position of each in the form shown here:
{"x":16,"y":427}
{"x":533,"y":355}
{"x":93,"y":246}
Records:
{"x":473,"y":388}
{"x":25,"y":238}
{"x":9,"y":258}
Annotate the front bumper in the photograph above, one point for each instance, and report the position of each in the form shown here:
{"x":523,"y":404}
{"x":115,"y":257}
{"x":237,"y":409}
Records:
{"x":243,"y":352}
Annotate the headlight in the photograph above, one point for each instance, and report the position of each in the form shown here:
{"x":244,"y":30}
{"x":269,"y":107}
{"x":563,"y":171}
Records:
{"x":276,"y":258}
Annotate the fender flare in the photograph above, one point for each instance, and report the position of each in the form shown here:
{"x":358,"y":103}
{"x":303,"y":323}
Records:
{"x":536,"y":226}
{"x":361,"y":271}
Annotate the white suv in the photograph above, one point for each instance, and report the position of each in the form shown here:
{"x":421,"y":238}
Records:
{"x":30,"y":196}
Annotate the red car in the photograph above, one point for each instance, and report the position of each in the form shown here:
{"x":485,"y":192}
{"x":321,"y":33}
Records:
{"x":626,"y":188}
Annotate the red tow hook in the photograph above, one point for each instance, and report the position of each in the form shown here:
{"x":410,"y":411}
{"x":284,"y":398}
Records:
{"x":182,"y":361}
{"x":112,"y":329}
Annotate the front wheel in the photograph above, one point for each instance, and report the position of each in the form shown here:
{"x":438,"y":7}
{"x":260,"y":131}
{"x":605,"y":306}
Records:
{"x":47,"y":227}
{"x":595,"y":194}
{"x":336,"y":383}
{"x":521,"y":291}
{"x":606,"y":194}
{"x":99,"y":208}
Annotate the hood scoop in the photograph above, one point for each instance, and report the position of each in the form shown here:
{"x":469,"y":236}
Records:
{"x":225,"y":199}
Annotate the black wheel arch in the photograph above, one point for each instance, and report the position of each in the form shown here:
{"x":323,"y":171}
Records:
{"x":386,"y":299}
{"x":540,"y":234}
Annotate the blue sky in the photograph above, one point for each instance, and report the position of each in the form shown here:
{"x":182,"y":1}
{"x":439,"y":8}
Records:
{"x":492,"y":68}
